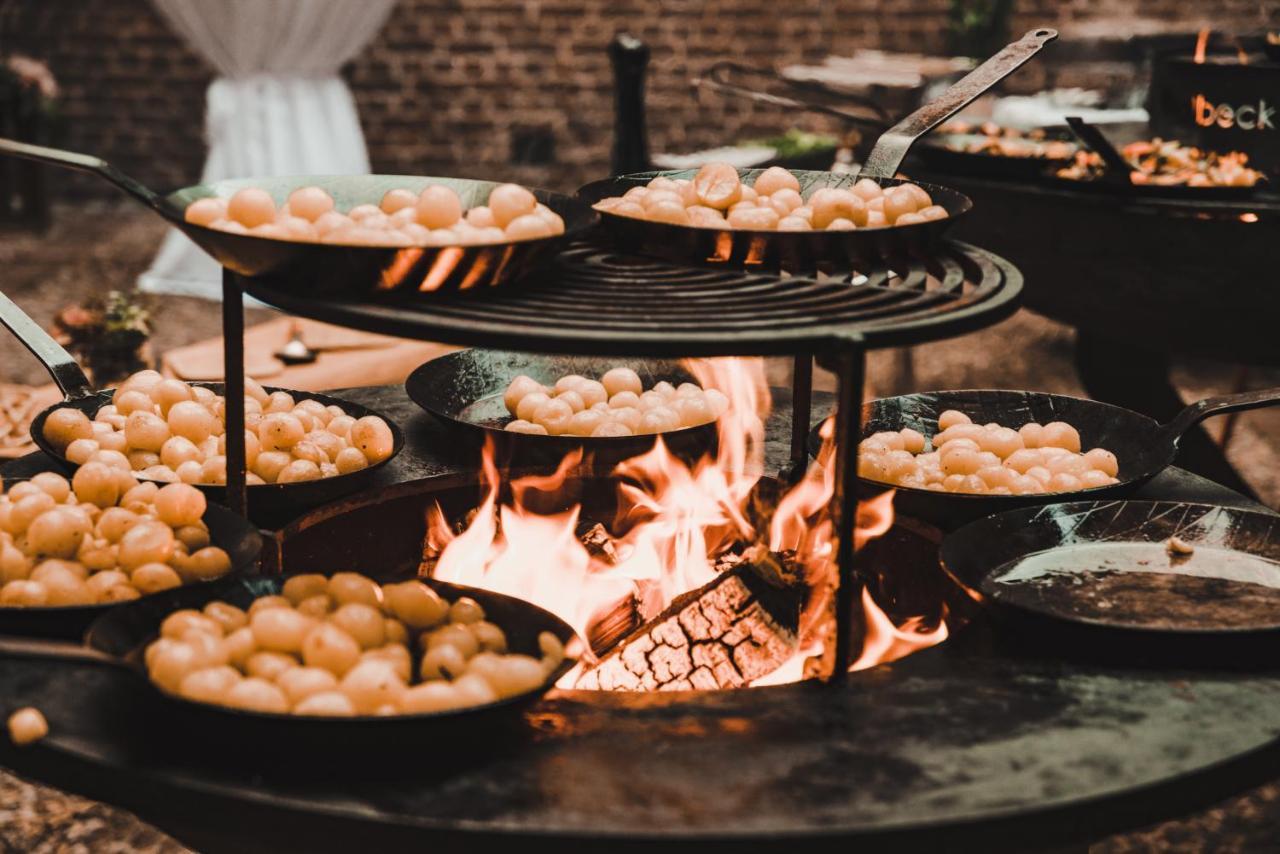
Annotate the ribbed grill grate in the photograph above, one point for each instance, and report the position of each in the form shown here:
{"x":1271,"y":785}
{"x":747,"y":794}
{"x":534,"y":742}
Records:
{"x":593,"y":300}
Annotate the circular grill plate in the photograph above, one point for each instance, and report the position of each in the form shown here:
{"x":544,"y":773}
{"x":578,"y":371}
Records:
{"x":593,"y":300}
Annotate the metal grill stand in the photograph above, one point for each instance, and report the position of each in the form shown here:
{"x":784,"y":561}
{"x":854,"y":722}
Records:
{"x":593,"y":301}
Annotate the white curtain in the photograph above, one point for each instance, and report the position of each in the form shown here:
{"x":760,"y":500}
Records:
{"x":277,"y":107}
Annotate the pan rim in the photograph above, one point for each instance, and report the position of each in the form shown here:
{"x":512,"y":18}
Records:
{"x":583,"y":216}
{"x":419,"y":377}
{"x":591,"y":193}
{"x":1088,"y":623}
{"x":868,"y":407}
{"x":320,"y":721}
{"x":95,"y":610}
{"x":397,"y":434}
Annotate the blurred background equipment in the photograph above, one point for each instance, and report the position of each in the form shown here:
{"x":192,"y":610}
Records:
{"x":278,"y":106}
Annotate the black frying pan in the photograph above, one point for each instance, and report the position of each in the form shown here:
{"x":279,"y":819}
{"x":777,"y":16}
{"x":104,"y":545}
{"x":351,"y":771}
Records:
{"x":268,"y":502}
{"x":1143,"y":446}
{"x":1103,"y":568}
{"x":800,"y":252}
{"x":1117,"y":180}
{"x":229,"y":531}
{"x":119,"y":638}
{"x":947,"y":153}
{"x":464,"y":391}
{"x":414,"y":273}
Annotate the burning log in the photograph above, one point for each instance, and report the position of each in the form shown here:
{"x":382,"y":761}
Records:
{"x":612,"y":625}
{"x":737,"y":628}
{"x":599,"y":544}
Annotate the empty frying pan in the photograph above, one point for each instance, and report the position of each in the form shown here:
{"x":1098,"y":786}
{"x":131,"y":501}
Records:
{"x":228,"y":531}
{"x":412,"y":273}
{"x":269,"y":503}
{"x":464,"y":390}
{"x":805,"y":251}
{"x":1135,"y":568}
{"x":1143,"y":446}
{"x":119,"y":639}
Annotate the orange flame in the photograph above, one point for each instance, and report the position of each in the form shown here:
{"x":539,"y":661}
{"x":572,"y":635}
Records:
{"x":885,"y":642}
{"x":401,"y":265}
{"x":1241,"y":53}
{"x":1202,"y":43}
{"x":673,"y":520}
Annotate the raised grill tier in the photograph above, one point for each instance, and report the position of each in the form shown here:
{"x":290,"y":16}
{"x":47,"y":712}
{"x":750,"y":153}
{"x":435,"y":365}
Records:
{"x":593,"y":300}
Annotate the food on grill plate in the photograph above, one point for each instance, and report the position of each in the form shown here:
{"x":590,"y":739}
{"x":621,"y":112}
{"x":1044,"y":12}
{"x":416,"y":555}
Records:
{"x":101,"y":538}
{"x":986,"y":459}
{"x":344,"y":646}
{"x":1169,"y":163}
{"x":716,"y":198}
{"x":433,"y":217}
{"x":615,"y":405}
{"x":1000,"y":141}
{"x":169,"y":431}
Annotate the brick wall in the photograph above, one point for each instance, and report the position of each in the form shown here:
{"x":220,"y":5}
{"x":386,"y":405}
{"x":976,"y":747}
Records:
{"x":450,"y":85}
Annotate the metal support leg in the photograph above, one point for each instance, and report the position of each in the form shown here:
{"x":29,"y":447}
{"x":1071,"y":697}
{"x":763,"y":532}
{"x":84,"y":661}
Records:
{"x":850,"y":366}
{"x":801,"y":405}
{"x":233,"y":389}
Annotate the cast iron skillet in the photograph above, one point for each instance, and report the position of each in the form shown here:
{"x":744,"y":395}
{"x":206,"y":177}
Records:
{"x":1102,"y":570}
{"x":464,"y":390}
{"x":269,"y":501}
{"x":119,"y":638}
{"x":1142,"y":446}
{"x":801,"y":252}
{"x":936,"y":153}
{"x":412,"y":273}
{"x":229,"y":531}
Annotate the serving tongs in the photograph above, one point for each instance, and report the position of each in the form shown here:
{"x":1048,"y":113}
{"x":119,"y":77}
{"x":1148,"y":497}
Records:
{"x":1119,"y":171}
{"x":720,"y":78}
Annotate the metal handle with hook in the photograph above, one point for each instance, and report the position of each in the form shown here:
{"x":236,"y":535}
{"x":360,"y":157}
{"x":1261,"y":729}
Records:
{"x":20,"y":647}
{"x":87,"y":163}
{"x":60,"y":364}
{"x":1220,"y":405}
{"x":717,"y":79}
{"x":892,"y":146}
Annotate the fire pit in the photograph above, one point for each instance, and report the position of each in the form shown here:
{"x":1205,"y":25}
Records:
{"x":913,"y":752}
{"x":976,"y":742}
{"x":596,"y":301}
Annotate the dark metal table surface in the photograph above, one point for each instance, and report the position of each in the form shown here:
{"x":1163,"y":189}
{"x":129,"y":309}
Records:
{"x":987,"y":740}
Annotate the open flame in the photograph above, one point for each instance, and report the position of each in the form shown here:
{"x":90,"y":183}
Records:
{"x":672,"y":523}
{"x":1202,"y":44}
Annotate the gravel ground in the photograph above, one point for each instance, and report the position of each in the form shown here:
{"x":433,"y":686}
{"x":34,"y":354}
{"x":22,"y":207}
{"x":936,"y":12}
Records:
{"x":108,"y":248}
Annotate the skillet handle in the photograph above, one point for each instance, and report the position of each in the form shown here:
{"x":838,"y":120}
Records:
{"x":86,"y":163}
{"x":60,"y":364}
{"x":74,"y":653}
{"x":892,"y":146}
{"x":1210,"y":406}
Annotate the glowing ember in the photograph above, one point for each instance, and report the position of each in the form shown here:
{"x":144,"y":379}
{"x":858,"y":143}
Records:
{"x":672,"y":524}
